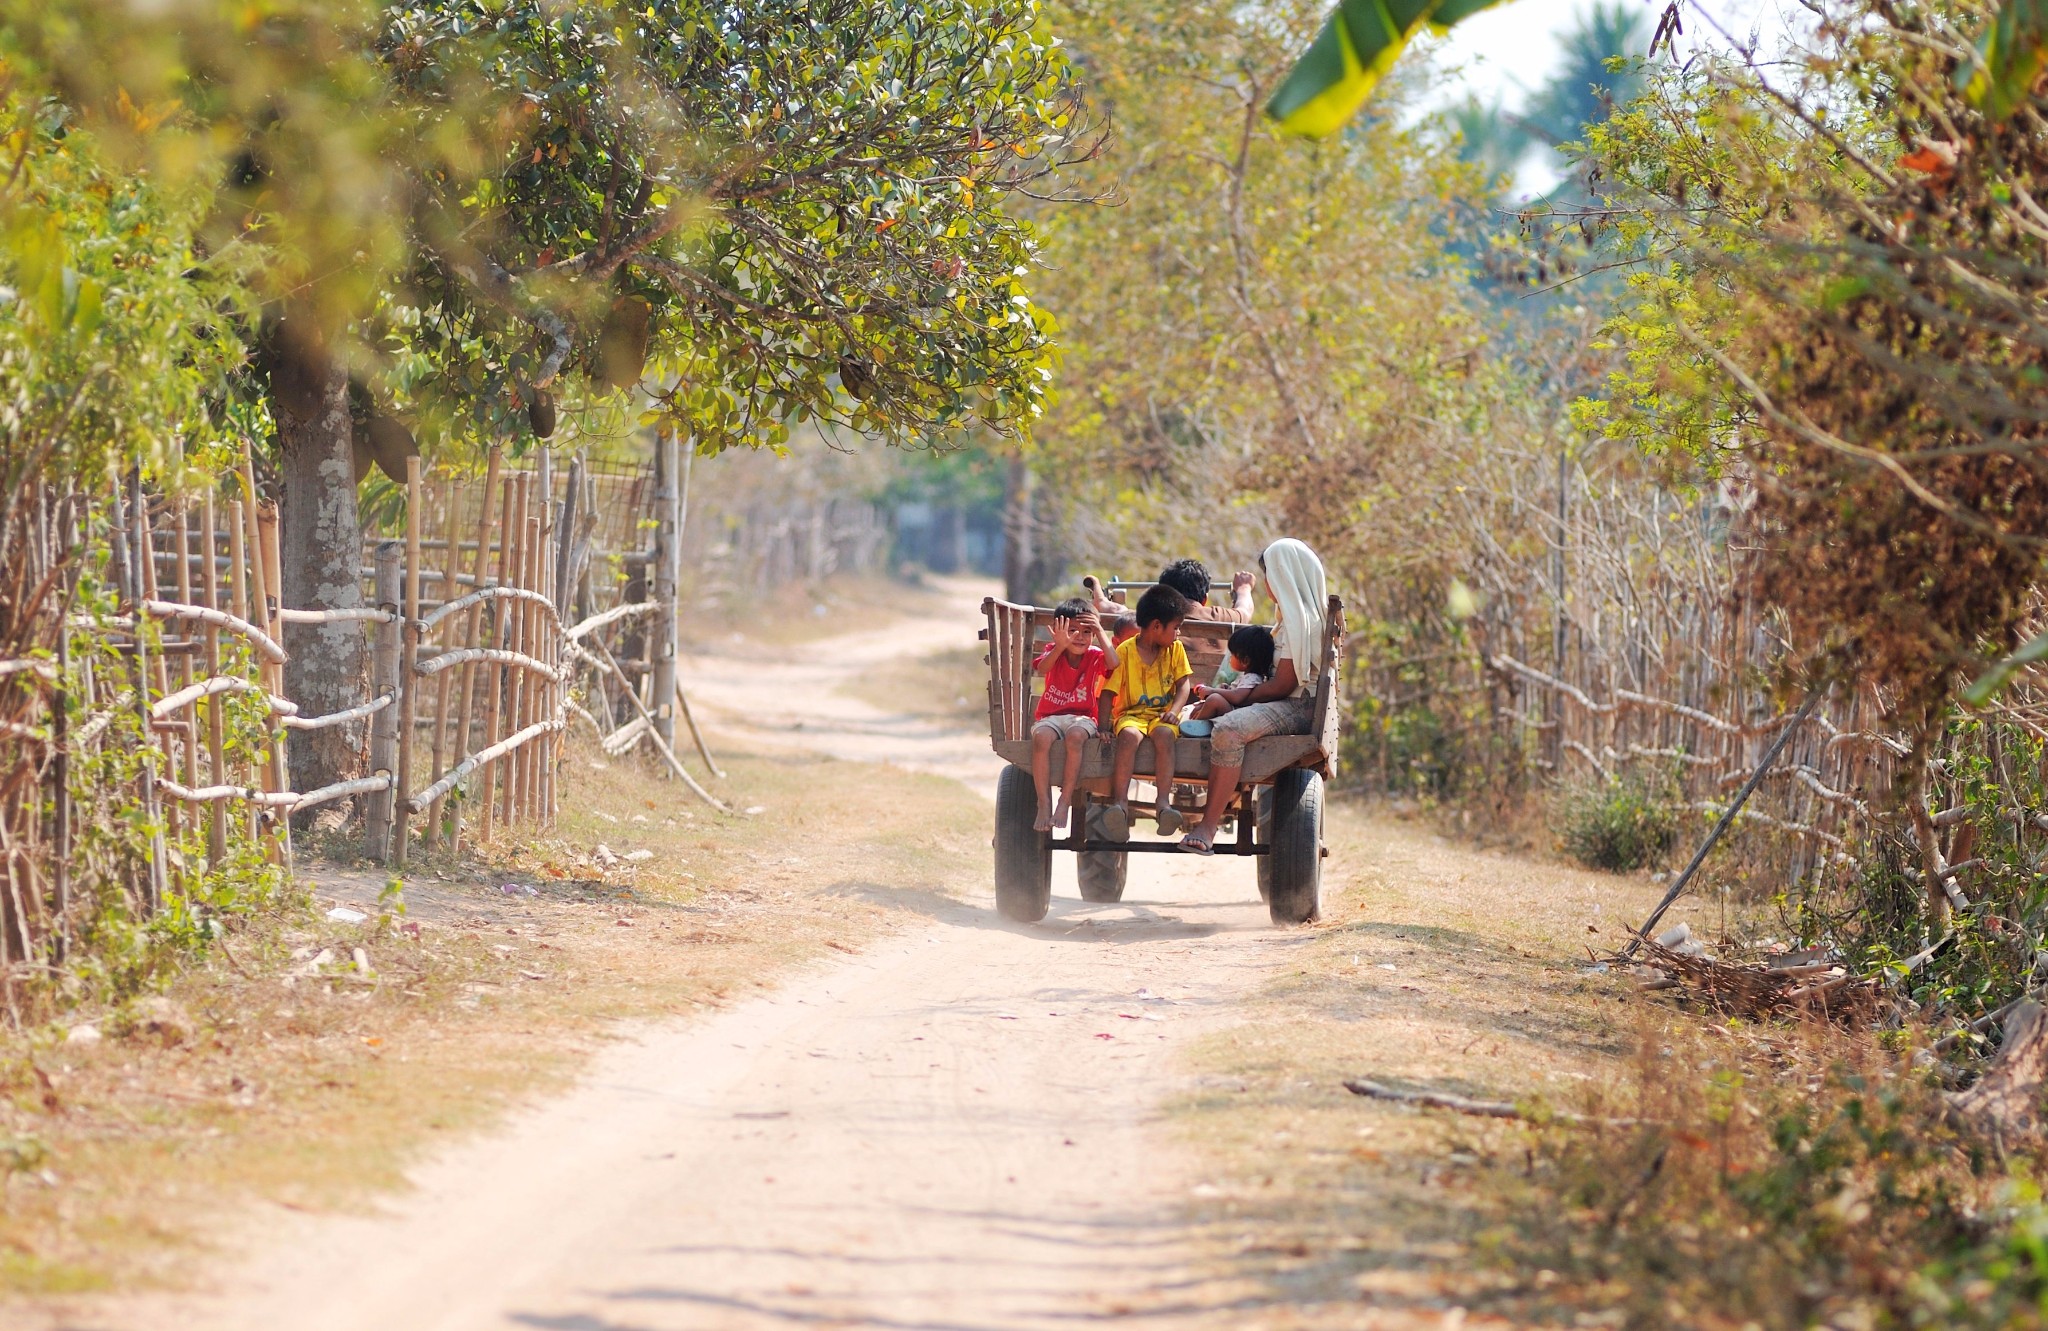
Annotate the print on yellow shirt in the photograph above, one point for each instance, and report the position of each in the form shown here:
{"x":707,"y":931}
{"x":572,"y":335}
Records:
{"x":1143,"y":689}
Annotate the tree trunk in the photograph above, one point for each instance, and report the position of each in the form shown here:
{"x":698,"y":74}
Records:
{"x":1020,"y":556}
{"x":322,"y":548}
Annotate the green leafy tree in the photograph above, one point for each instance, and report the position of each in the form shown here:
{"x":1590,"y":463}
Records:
{"x":1259,"y":326}
{"x":768,"y":213}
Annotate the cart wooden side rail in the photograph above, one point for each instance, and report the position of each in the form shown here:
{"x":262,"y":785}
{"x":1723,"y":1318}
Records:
{"x":1279,"y":805}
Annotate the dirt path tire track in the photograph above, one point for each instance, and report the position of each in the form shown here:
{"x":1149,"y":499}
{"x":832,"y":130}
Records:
{"x":959,"y":1129}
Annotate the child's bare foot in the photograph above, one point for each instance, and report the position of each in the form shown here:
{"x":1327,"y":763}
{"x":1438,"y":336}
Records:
{"x":1043,"y":823}
{"x":1059,"y":813}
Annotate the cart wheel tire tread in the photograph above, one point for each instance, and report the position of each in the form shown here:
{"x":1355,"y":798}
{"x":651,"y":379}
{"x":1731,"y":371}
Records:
{"x":1294,"y":879}
{"x":1023,"y":855}
{"x":1102,"y":874}
{"x":1264,"y":808}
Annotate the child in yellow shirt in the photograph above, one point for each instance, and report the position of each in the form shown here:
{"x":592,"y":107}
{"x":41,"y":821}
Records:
{"x":1149,"y":683}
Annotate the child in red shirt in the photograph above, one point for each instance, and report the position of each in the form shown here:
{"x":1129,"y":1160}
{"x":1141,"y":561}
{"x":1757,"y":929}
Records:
{"x":1074,"y":666}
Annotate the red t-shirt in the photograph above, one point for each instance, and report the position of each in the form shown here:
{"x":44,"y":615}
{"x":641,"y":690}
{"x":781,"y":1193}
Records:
{"x":1070,"y":689}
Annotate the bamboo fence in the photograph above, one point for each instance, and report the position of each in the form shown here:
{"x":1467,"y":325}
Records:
{"x":145,"y":688}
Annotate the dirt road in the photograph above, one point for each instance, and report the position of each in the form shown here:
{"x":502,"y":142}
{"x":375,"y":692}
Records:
{"x":959,"y":1128}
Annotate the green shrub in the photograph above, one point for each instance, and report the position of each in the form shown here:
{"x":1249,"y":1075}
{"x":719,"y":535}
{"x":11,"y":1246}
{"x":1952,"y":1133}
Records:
{"x":1620,"y":823}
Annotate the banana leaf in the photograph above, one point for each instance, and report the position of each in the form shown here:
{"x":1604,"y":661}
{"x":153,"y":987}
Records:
{"x":1349,"y":56}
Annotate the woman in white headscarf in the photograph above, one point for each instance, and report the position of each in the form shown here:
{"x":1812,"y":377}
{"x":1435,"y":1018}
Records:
{"x":1284,"y":704}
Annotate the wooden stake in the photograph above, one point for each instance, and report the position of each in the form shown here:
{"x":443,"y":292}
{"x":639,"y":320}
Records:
{"x":190,"y":767}
{"x":384,"y":668}
{"x":238,"y":570}
{"x":529,"y":767}
{"x":267,"y":525}
{"x":501,"y":634}
{"x":216,"y":724}
{"x":664,"y":575}
{"x":474,"y":621}
{"x":409,"y":650}
{"x":174,"y":814}
{"x":444,"y":683}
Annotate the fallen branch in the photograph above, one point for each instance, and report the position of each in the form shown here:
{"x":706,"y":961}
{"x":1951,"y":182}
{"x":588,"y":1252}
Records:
{"x":1699,"y":856}
{"x":2007,"y":1097}
{"x":1373,"y":1090}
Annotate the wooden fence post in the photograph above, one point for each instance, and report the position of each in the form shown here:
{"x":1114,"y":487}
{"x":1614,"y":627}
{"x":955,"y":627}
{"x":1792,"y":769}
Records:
{"x":463,"y":709}
{"x":216,"y":723}
{"x":409,"y":653}
{"x":384,"y":725}
{"x":661,"y":692}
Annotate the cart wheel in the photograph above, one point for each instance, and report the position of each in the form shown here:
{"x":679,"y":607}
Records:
{"x":1023,"y":856}
{"x":1264,"y":810}
{"x":1295,"y":880}
{"x":1102,"y":873}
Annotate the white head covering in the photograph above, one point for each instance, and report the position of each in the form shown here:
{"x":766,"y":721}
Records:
{"x":1295,"y":576}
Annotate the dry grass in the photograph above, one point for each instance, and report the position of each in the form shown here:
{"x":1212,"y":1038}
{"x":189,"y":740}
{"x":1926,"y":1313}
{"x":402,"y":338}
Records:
{"x":263,"y":1081}
{"x":1440,"y":966}
{"x":1769,"y":1176}
{"x":795,"y":613}
{"x":946,"y":687}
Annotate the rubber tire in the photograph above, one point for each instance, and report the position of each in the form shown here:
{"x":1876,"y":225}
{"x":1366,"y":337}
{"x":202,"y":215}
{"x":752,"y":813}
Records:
{"x":1102,"y":873}
{"x":1023,"y":856}
{"x":1295,"y":885}
{"x":1264,"y":837}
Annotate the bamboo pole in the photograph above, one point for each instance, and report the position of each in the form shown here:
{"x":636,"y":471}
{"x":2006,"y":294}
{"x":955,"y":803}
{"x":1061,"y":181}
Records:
{"x":189,"y":768}
{"x":409,"y":654}
{"x":158,"y":868}
{"x":500,"y":634}
{"x":216,"y":723}
{"x":173,"y":814}
{"x":267,"y":527}
{"x":238,"y":567}
{"x":515,"y":682}
{"x":444,"y":685}
{"x":384,"y":737}
{"x":265,"y":585}
{"x":471,"y":626}
{"x":547,"y":564}
{"x":533,"y":689}
{"x":665,"y":575}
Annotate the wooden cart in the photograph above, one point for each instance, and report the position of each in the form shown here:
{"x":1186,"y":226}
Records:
{"x":1279,"y":809}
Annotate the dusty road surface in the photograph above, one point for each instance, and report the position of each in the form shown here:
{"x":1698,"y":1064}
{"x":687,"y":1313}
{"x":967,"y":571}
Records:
{"x":798,"y":697}
{"x":960,"y":1128}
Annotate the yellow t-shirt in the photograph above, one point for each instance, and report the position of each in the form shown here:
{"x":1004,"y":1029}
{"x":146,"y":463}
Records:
{"x":1143,"y":689}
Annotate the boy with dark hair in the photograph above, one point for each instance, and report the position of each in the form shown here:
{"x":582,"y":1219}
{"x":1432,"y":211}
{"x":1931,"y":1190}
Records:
{"x":1190,"y":578}
{"x":1149,"y":685}
{"x":1073,"y":665}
